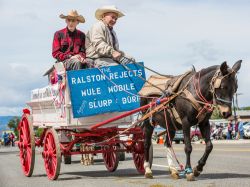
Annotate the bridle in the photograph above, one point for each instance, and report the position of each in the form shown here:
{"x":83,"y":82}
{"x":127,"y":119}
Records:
{"x":216,"y":83}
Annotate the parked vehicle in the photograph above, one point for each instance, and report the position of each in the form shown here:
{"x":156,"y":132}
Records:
{"x":179,"y":137}
{"x":195,"y":134}
{"x":246,"y":128}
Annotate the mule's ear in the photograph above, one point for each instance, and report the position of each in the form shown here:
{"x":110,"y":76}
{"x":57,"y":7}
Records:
{"x":237,"y":66}
{"x":193,"y":68}
{"x":223,"y":68}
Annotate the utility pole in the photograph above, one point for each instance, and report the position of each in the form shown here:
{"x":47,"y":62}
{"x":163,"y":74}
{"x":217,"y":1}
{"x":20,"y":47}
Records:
{"x":236,"y":97}
{"x":234,"y":111}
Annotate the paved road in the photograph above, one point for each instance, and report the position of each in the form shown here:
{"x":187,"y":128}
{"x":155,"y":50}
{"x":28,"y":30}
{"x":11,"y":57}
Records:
{"x":228,"y":165}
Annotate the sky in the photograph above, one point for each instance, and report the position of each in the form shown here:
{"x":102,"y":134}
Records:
{"x":169,"y":36}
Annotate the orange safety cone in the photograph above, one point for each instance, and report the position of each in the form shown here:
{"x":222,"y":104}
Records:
{"x":129,"y":141}
{"x":160,"y":140}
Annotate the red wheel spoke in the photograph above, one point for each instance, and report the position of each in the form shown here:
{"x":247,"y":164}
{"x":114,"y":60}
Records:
{"x":28,"y":158}
{"x":113,"y":156}
{"x":52,"y":154}
{"x":24,"y":133}
{"x":51,"y":142}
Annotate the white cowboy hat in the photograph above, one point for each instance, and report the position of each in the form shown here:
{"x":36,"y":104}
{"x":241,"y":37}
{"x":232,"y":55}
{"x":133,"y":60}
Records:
{"x":73,"y":15}
{"x":105,"y":9}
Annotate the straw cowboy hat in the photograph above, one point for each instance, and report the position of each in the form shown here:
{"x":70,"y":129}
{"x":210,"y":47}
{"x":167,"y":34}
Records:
{"x":73,"y":15}
{"x":105,"y":9}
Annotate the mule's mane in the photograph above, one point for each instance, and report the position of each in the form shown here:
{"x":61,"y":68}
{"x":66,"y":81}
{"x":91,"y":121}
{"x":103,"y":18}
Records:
{"x":209,"y":69}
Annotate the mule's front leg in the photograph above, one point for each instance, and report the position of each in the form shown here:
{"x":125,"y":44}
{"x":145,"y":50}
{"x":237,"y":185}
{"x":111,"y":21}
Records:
{"x":188,"y":151}
{"x":148,"y":130}
{"x":205,"y":131}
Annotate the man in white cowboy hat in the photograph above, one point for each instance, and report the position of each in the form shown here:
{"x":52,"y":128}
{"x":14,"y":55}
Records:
{"x":102,"y":47}
{"x":69,"y":43}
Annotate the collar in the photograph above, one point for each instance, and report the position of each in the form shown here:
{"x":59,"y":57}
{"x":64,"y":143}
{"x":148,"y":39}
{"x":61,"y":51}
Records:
{"x":70,"y":32}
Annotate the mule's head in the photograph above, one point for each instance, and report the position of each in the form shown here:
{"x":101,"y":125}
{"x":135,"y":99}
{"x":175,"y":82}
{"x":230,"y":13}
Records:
{"x":225,"y":86}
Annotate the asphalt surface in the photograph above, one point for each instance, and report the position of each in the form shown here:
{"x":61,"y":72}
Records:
{"x":228,"y":165}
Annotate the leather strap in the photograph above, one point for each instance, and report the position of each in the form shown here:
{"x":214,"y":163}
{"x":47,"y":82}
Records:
{"x":196,"y":105}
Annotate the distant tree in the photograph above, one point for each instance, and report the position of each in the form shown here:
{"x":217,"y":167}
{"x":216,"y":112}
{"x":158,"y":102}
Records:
{"x":246,"y":108}
{"x":13,"y":124}
{"x":216,"y":114}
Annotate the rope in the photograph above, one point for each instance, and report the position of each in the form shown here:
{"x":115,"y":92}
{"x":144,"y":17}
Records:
{"x":128,"y":92}
{"x":157,"y":108}
{"x":208,"y":106}
{"x":170,"y":142}
{"x":151,"y":84}
{"x":145,"y":67}
{"x":145,"y":116}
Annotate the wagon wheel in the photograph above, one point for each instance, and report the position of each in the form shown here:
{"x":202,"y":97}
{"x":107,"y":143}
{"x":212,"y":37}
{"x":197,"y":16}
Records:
{"x":52,"y":154}
{"x":111,"y":158}
{"x":26,"y":145}
{"x":138,"y":154}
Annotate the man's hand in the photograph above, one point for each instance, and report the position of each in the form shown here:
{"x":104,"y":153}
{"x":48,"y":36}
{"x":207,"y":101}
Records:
{"x":131,"y":59}
{"x":116,"y":55}
{"x":80,"y":58}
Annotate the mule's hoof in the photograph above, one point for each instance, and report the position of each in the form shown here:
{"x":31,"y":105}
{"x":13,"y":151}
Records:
{"x":149,"y":175}
{"x":196,"y":172}
{"x":190,"y":177}
{"x":174,"y":175}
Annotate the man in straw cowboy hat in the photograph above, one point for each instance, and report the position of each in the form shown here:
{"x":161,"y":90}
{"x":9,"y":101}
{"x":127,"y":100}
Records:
{"x":102,"y":47}
{"x":69,"y":43}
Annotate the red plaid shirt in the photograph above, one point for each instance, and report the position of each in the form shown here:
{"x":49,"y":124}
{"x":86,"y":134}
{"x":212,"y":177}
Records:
{"x":67,"y":44}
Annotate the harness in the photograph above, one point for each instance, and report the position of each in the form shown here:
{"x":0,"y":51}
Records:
{"x":203,"y":106}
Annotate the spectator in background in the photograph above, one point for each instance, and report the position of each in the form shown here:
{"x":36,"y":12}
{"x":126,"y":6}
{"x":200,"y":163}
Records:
{"x":2,"y":141}
{"x":6,"y":138}
{"x":229,"y":130}
{"x":12,"y":137}
{"x":240,"y":129}
{"x":236,"y":128}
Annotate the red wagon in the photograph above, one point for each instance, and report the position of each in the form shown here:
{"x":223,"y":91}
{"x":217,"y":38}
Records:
{"x":61,"y":133}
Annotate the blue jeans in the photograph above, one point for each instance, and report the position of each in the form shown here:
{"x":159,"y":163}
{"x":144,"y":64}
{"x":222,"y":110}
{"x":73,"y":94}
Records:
{"x":241,"y":134}
{"x":229,"y":135}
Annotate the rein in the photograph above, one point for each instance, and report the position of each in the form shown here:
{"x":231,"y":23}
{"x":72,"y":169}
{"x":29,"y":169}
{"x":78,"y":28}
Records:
{"x":208,"y":105}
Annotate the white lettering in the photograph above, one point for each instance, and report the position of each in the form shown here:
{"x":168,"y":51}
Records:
{"x":91,"y":91}
{"x":100,"y":104}
{"x":73,"y":80}
{"x":122,"y":87}
{"x":130,"y":99}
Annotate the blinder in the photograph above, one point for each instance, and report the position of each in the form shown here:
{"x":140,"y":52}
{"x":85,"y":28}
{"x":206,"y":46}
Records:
{"x":217,"y":82}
